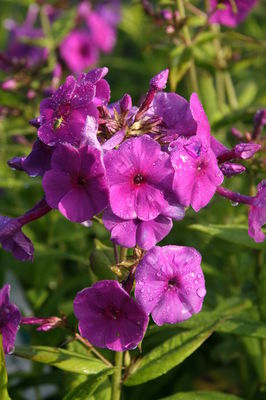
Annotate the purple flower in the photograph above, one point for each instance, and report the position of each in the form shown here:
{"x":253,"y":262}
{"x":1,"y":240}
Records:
{"x":257,"y":214}
{"x":9,"y":319}
{"x":197,"y":174}
{"x":103,"y":35}
{"x":102,"y":88}
{"x":170,"y":284}
{"x":232,"y":13}
{"x":76,"y":183}
{"x":109,"y":317}
{"x":64,"y":114}
{"x":78,"y":51}
{"x":13,"y":239}
{"x":139,"y":174}
{"x":18,"y":51}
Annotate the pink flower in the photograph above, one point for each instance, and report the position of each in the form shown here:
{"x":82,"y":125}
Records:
{"x":139,"y":175}
{"x":79,"y":51}
{"x":170,"y":284}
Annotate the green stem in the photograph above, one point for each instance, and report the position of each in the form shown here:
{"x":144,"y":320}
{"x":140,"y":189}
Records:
{"x":116,"y":380}
{"x":231,"y":94}
{"x":188,"y":42}
{"x":261,"y":285}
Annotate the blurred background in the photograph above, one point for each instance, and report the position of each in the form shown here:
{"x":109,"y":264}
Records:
{"x":230,"y":68}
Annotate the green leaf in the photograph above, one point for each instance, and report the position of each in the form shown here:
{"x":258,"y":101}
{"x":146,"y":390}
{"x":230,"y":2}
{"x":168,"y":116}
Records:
{"x":168,"y":355}
{"x":243,"y":328}
{"x":63,"y":25}
{"x":101,"y":259}
{"x":62,"y":359}
{"x":237,"y":234}
{"x":3,"y":375}
{"x":87,"y":388}
{"x":202,"y":395}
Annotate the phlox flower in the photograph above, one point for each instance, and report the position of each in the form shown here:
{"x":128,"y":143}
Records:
{"x":109,"y":318}
{"x":170,"y":284}
{"x":139,"y":174}
{"x":64,"y":114}
{"x":76,"y":183}
{"x":9,"y":319}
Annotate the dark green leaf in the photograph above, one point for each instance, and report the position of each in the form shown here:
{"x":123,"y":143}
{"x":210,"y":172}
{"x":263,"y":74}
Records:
{"x":168,"y":355}
{"x":3,"y":374}
{"x":202,"y":395}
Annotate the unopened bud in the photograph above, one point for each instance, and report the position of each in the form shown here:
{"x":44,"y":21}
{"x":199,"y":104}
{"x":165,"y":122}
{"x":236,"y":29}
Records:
{"x":159,"y":81}
{"x":36,"y":122}
{"x":9,"y":85}
{"x":45,"y":324}
{"x":166,"y":14}
{"x":229,"y":169}
{"x":16,"y":163}
{"x":125,"y":103}
{"x":246,"y":150}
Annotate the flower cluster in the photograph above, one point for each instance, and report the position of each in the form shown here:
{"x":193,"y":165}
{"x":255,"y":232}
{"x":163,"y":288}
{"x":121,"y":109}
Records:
{"x":140,"y":166}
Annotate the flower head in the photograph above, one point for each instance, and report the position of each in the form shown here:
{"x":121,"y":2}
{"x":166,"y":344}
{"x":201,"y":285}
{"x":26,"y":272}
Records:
{"x":78,"y":50}
{"x":232,"y":13}
{"x":109,"y":317}
{"x":257,"y":214}
{"x":9,"y":319}
{"x":13,"y":239}
{"x":139,"y":175}
{"x":64,"y":114}
{"x":170,"y":284}
{"x":76,"y":183}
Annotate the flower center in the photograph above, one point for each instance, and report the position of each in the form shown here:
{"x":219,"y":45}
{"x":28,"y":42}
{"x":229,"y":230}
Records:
{"x":173,"y":283}
{"x":81,"y":181}
{"x":85,"y":50}
{"x":138,"y":179}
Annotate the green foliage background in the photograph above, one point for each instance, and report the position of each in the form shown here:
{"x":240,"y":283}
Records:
{"x":233,"y":359}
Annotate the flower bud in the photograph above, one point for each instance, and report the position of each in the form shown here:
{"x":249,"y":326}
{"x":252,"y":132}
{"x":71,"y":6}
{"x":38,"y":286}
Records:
{"x":229,"y":169}
{"x":166,"y":14}
{"x":159,"y":81}
{"x":246,"y":150}
{"x":125,"y":103}
{"x":45,"y":324}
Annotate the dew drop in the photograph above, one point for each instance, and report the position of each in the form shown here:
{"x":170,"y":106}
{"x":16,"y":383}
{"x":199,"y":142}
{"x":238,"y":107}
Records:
{"x":196,"y":281}
{"x":201,"y":292}
{"x":234,"y":203}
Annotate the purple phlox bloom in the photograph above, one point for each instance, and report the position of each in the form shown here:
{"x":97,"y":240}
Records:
{"x":76,"y":183}
{"x":170,"y":284}
{"x":197,"y":174}
{"x":109,"y":317}
{"x":78,"y":50}
{"x":102,"y":34}
{"x":13,"y":239}
{"x":176,"y":115}
{"x":102,"y":88}
{"x":257,"y":214}
{"x":64,"y":114}
{"x":45,"y":324}
{"x":18,"y":51}
{"x":228,"y":15}
{"x":9,"y":320}
{"x":139,"y":174}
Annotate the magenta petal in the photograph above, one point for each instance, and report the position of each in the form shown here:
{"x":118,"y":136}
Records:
{"x":149,"y":202}
{"x":199,"y":115}
{"x":124,"y":233}
{"x":66,"y":152}
{"x":76,"y":205}
{"x":123,"y":200}
{"x":149,"y":233}
{"x":55,"y":184}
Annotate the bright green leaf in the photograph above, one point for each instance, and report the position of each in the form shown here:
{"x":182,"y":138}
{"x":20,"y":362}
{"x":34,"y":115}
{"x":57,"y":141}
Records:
{"x":202,"y":395}
{"x":63,"y":359}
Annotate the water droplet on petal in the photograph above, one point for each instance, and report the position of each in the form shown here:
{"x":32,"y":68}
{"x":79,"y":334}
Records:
{"x":234,"y":203}
{"x":201,"y":292}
